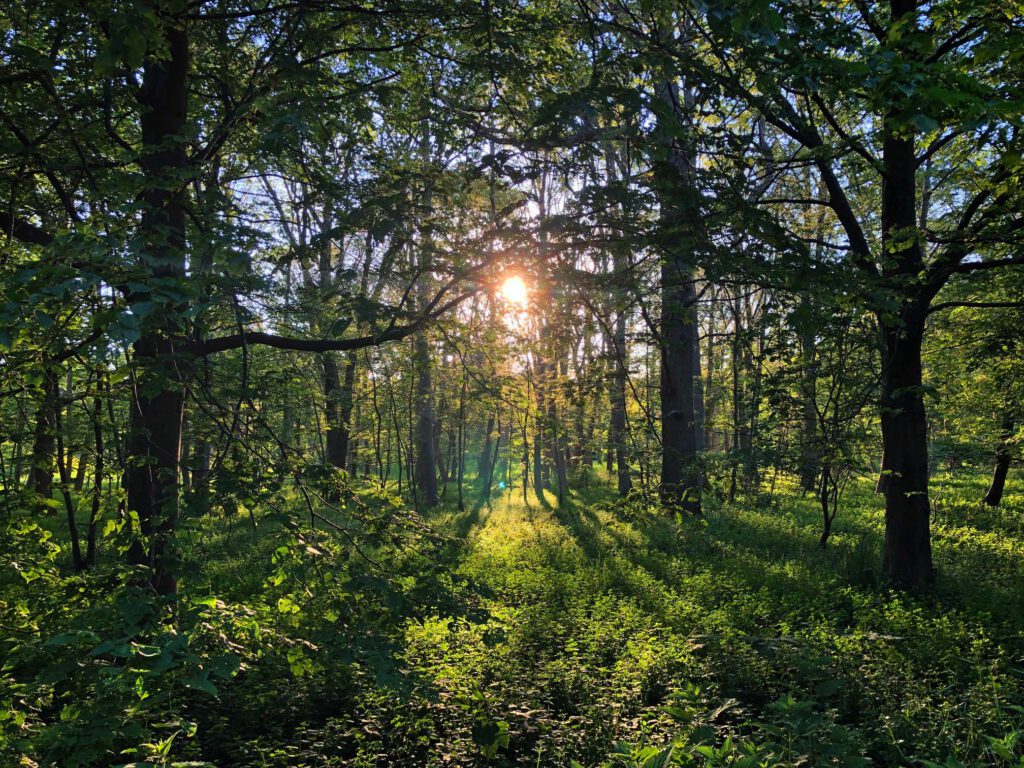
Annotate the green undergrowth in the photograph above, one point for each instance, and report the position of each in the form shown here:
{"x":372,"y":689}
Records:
{"x":604,"y":614}
{"x":605,"y":632}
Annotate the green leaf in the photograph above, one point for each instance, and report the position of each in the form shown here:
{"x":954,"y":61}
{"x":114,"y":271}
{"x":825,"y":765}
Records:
{"x":201,"y":682}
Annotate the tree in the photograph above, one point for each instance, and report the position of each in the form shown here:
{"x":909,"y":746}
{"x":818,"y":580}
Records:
{"x":884,"y":94}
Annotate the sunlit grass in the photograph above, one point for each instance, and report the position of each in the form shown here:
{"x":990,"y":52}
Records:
{"x":599,"y":612}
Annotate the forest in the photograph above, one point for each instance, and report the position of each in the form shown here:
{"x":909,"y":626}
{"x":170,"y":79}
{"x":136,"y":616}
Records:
{"x":584,"y":383}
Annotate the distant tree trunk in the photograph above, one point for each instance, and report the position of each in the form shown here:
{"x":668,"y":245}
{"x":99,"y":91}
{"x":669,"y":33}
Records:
{"x":426,"y":477}
{"x":487,"y":479}
{"x":995,"y":490}
{"x":526,"y":463}
{"x":97,"y":488}
{"x":43,"y":445}
{"x":439,"y":455}
{"x":558,"y":442}
{"x":288,"y":407}
{"x":581,"y":363}
{"x":827,"y":498}
{"x":337,"y":384}
{"x":346,"y":406}
{"x":451,"y":465}
{"x":483,"y":463}
{"x":709,"y":388}
{"x":609,"y":443}
{"x":609,"y":452}
{"x":698,"y":389}
{"x":80,"y":471}
{"x":539,"y":427}
{"x":737,"y":397}
{"x":620,"y":438}
{"x":186,"y":454}
{"x":538,"y":466}
{"x":338,"y":401}
{"x":751,"y":469}
{"x":65,"y":489}
{"x":883,"y":477}
{"x":17,"y":461}
{"x":202,"y":456}
{"x":809,"y":420}
{"x":334,"y":456}
{"x":461,"y":462}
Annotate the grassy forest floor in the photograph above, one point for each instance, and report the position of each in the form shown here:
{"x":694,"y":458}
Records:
{"x":533,"y":635}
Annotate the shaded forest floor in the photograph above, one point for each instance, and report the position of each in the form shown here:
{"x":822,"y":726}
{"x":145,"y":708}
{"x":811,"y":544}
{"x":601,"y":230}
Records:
{"x":533,"y":635}
{"x":607,"y":621}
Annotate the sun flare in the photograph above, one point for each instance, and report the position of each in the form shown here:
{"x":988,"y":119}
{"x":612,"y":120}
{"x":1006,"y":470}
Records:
{"x":514,"y":290}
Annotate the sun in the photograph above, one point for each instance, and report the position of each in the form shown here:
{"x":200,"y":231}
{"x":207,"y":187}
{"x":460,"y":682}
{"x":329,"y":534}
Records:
{"x":514,"y":290}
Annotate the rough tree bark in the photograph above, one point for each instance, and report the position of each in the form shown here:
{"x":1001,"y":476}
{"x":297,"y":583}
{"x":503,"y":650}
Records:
{"x":907,"y":555}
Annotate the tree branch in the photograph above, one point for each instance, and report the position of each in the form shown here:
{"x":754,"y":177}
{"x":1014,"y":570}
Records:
{"x":981,"y":304}
{"x":21,"y":230}
{"x":392,"y":333}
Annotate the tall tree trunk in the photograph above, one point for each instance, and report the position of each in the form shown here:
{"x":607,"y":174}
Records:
{"x":158,"y":392}
{"x":681,"y":433}
{"x":337,"y":385}
{"x":995,"y":490}
{"x":907,"y":555}
{"x":620,"y":354}
{"x":752,"y":358}
{"x":620,"y":438}
{"x":426,"y":475}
